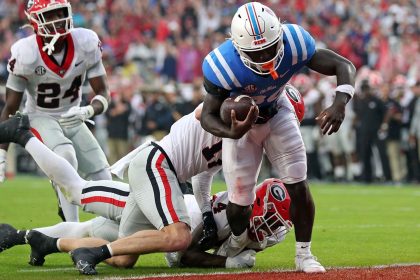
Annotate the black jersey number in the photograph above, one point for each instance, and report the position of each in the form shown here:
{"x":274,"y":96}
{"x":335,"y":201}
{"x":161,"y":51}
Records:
{"x":209,"y":153}
{"x":48,"y":93}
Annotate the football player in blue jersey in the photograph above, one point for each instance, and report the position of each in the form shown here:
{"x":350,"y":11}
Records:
{"x":258,"y":60}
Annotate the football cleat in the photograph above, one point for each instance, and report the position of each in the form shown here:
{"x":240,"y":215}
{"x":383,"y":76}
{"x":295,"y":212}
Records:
{"x":41,"y":246}
{"x":308,"y":264}
{"x":84,"y":260}
{"x":8,"y":237}
{"x":16,"y":129}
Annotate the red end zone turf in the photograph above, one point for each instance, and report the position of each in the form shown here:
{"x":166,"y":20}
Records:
{"x":386,"y":273}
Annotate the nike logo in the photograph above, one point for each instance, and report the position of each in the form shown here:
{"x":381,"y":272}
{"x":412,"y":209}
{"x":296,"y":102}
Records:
{"x":282,"y":75}
{"x":78,"y":63}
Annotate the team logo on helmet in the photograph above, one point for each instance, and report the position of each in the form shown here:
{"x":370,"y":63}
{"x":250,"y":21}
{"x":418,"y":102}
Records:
{"x":292,"y":93}
{"x":278,"y":192}
{"x":40,"y":70}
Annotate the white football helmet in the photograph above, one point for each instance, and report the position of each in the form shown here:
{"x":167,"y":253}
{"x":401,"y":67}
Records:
{"x":39,"y":14}
{"x":257,"y":34}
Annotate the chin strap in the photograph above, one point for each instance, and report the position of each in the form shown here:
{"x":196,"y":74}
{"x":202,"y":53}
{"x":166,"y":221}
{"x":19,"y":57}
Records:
{"x":49,"y":47}
{"x":270,"y":67}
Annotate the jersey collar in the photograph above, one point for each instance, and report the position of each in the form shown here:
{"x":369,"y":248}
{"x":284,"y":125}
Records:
{"x":51,"y":63}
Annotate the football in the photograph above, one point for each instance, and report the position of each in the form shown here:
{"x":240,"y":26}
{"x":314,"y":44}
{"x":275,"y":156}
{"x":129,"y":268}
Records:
{"x":241,"y":104}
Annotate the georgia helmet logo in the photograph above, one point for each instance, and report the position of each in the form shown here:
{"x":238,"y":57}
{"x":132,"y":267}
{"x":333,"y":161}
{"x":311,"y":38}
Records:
{"x":278,"y":192}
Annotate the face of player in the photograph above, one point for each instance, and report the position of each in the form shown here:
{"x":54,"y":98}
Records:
{"x":263,"y":55}
{"x":55,"y":16}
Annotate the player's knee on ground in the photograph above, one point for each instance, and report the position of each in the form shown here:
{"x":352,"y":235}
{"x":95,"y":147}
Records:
{"x":177,"y":237}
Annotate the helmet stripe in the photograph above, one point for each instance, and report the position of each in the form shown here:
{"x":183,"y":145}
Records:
{"x":252,"y":19}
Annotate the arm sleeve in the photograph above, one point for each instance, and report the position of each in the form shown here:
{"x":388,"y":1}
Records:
{"x":16,"y":83}
{"x":96,"y":70}
{"x":202,"y":190}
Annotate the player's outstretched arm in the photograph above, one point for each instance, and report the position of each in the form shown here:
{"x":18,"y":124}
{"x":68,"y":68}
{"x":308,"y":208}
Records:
{"x":330,"y":63}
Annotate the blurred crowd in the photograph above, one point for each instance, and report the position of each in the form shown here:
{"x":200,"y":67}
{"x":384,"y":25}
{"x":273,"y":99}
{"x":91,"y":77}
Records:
{"x":153,"y":52}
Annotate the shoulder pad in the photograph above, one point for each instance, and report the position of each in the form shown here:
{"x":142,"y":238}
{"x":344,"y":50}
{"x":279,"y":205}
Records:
{"x":87,"y":39}
{"x":25,"y":50}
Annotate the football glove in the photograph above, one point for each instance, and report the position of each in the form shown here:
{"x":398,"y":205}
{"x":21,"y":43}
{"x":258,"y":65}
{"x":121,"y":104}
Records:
{"x":3,"y":156}
{"x":210,"y":237}
{"x":76,"y":116}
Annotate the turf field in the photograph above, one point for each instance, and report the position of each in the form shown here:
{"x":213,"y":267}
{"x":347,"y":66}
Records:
{"x":355,"y":226}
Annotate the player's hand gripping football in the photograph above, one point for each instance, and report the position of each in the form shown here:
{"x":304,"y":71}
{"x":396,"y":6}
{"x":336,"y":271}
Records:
{"x":332,"y":117}
{"x":210,"y":237}
{"x":239,"y":128}
{"x":76,"y":115}
{"x":3,"y":155}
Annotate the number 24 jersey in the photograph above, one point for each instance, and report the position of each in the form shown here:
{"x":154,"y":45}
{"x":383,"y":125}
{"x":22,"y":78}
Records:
{"x":53,"y":88}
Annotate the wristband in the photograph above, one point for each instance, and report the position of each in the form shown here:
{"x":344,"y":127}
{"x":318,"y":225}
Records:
{"x":349,"y":89}
{"x":103,"y":100}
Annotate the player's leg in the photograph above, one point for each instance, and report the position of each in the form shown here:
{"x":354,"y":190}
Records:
{"x":48,"y":130}
{"x":241,"y":165}
{"x":93,"y":164}
{"x":106,"y":198}
{"x":286,"y":151}
{"x":159,"y":204}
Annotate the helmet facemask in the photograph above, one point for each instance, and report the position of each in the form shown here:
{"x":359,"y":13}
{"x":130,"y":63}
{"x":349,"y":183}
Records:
{"x":44,"y":20}
{"x":263,"y":67}
{"x":270,"y":213}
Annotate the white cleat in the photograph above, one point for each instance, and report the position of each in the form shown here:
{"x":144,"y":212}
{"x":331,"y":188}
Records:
{"x":308,"y":264}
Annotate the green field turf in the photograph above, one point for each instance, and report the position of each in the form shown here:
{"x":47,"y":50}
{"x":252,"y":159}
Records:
{"x":354,"y":226}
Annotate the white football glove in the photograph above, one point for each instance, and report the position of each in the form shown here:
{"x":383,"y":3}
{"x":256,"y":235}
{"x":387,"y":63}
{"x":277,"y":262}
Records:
{"x":76,"y":116}
{"x":245,"y":259}
{"x":3,"y":156}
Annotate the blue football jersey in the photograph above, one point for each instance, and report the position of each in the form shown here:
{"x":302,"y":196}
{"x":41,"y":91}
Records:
{"x":223,"y":67}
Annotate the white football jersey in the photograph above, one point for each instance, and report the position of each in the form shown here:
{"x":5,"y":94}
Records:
{"x":53,"y":88}
{"x":192,"y":150}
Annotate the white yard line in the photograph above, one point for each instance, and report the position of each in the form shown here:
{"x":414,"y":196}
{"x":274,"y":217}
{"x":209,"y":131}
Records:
{"x":157,"y":276}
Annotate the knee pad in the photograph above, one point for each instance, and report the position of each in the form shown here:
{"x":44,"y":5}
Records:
{"x":296,"y":172}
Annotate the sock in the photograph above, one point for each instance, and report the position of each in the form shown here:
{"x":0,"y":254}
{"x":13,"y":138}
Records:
{"x":339,"y":172}
{"x":102,"y":252}
{"x":239,"y":240}
{"x":303,"y":248}
{"x":50,"y":245}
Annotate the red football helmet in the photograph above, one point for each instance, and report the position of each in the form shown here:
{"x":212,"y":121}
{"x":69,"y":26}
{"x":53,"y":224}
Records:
{"x":45,"y":25}
{"x":296,"y":99}
{"x":270,"y":213}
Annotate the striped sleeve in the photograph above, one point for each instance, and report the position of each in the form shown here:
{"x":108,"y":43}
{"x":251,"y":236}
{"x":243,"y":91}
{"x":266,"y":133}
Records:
{"x":217,"y":70}
{"x":302,"y":44}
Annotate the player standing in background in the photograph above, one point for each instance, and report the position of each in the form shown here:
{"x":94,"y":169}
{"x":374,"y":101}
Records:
{"x":258,"y":60}
{"x":51,"y":66}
